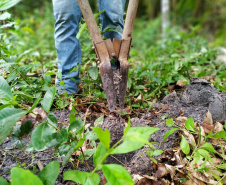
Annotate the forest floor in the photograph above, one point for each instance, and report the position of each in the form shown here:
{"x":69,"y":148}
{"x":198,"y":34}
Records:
{"x":193,"y":100}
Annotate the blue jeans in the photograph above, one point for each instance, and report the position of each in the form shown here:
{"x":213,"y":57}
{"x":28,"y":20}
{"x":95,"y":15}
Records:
{"x":68,"y":15}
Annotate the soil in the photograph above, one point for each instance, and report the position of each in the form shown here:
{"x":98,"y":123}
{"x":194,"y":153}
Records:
{"x":198,"y":97}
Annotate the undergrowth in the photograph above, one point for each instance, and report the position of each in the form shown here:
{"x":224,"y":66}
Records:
{"x":28,"y":69}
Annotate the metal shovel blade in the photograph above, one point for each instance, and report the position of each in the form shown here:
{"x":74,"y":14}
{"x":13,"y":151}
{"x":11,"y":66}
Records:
{"x":108,"y":84}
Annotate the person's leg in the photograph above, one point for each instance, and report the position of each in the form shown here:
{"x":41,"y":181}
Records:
{"x":113,"y":16}
{"x":67,"y":15}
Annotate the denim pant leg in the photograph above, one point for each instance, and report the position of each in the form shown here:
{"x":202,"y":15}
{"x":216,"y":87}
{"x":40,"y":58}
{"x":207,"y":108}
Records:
{"x":113,"y":16}
{"x":67,"y":15}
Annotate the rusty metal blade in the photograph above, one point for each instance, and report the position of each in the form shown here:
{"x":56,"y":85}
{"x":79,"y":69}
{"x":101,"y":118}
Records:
{"x":108,"y":84}
{"x":124,"y":68}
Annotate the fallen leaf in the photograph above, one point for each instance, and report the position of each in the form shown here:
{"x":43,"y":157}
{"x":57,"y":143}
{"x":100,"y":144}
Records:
{"x":190,"y":138}
{"x":70,"y":107}
{"x":208,"y":119}
{"x":217,"y":127}
{"x":40,"y":114}
{"x":171,"y":170}
{"x":180,"y":83}
{"x":136,"y":178}
{"x":193,"y":181}
{"x":182,"y":119}
{"x":128,"y":109}
{"x":162,"y":171}
{"x":202,"y":136}
{"x":181,"y":112}
{"x":203,"y":177}
{"x":207,"y":128}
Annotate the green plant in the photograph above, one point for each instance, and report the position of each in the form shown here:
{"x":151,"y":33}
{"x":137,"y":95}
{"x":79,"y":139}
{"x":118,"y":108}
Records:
{"x":133,"y":139}
{"x":47,"y":176}
{"x":199,"y":148}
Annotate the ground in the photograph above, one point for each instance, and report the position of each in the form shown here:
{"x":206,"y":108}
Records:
{"x":191,"y":101}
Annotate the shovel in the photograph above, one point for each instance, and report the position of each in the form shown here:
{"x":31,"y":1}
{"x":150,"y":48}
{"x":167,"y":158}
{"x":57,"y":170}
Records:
{"x":106,"y":50}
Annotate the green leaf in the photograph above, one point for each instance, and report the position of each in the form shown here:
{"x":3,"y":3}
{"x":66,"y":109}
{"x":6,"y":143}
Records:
{"x":67,"y":157}
{"x":91,"y":135}
{"x":93,"y":72}
{"x":64,"y":149}
{"x":209,"y":147}
{"x":39,"y":135}
{"x":104,"y":136}
{"x":72,"y":115}
{"x":25,"y":128}
{"x":5,"y":90}
{"x":190,"y":124}
{"x":205,"y":154}
{"x":48,"y":99}
{"x":99,"y":155}
{"x":116,"y":174}
{"x":169,"y":122}
{"x":5,"y":16}
{"x":52,"y":120}
{"x":8,"y":118}
{"x":154,"y":160}
{"x":20,"y":176}
{"x":157,"y":152}
{"x":184,"y":145}
{"x":3,"y":181}
{"x":6,"y":4}
{"x":222,"y":166}
{"x":73,"y":69}
{"x":75,"y":126}
{"x":197,"y":157}
{"x":135,"y":138}
{"x":220,"y":135}
{"x":49,"y":173}
{"x":169,"y":132}
{"x":99,"y":121}
{"x":127,"y":127}
{"x":81,"y":177}
{"x":79,"y":144}
{"x":35,"y":103}
{"x":62,"y":136}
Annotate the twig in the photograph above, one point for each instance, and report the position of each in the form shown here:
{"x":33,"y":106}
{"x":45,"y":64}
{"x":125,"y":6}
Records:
{"x":3,"y":160}
{"x":83,"y":135}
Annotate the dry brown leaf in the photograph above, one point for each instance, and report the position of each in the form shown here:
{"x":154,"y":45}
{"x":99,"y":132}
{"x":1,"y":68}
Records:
{"x":190,"y":138}
{"x":136,"y":178}
{"x":208,"y":119}
{"x":203,"y":177}
{"x":202,"y":136}
{"x":217,"y":127}
{"x":216,"y":161}
{"x":41,"y":114}
{"x":171,"y":170}
{"x":145,"y":181}
{"x":182,"y":119}
{"x":180,"y":83}
{"x":150,"y":177}
{"x":70,"y":107}
{"x":193,"y":181}
{"x":207,"y":128}
{"x":138,"y":98}
{"x":181,"y":112}
{"x":162,"y":171}
{"x":128,"y":109}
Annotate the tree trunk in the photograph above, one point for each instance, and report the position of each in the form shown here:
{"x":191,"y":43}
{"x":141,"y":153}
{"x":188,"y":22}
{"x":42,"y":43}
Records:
{"x":165,"y":16}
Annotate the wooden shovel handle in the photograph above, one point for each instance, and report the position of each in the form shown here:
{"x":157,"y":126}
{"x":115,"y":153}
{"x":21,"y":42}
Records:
{"x":130,"y":18}
{"x":90,"y":21}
